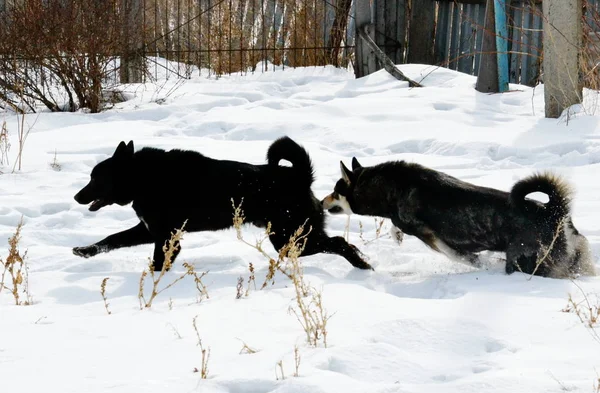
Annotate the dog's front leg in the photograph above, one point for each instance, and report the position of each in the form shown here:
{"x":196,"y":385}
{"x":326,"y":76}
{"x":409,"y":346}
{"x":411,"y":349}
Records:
{"x":128,"y":238}
{"x":336,"y":245}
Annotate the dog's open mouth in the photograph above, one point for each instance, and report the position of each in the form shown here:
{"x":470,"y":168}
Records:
{"x":97,"y":204}
{"x":335,"y":210}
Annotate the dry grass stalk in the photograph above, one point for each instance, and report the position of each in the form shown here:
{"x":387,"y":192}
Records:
{"x":175,"y":331}
{"x":297,"y":359}
{"x":311,"y":314}
{"x":280,"y":366}
{"x":378,"y":230}
{"x":4,"y":144}
{"x":346,"y":234}
{"x":141,"y":289}
{"x":274,"y":265}
{"x":547,"y":250}
{"x":169,"y":249}
{"x":205,"y":352}
{"x":103,"y":293}
{"x":586,"y":310}
{"x":55,"y":164}
{"x":247,"y":349}
{"x":200,"y":287}
{"x":239,"y":287}
{"x":251,"y":279}
{"x":17,"y":269}
{"x":40,"y":319}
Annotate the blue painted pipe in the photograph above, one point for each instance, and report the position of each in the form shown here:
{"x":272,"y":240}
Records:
{"x":501,"y":44}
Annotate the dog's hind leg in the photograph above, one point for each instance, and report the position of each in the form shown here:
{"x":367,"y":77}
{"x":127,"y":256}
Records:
{"x":440,"y":246}
{"x":128,"y":238}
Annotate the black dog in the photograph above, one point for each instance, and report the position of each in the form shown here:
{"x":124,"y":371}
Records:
{"x":169,"y":187}
{"x":460,"y":219}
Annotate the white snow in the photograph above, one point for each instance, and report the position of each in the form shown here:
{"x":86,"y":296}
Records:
{"x":419,"y":323}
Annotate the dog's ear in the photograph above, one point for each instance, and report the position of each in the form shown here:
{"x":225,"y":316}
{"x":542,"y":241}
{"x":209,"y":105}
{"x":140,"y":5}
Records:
{"x":355,"y":164}
{"x":347,"y":174}
{"x":124,"y":150}
{"x":121,"y":148}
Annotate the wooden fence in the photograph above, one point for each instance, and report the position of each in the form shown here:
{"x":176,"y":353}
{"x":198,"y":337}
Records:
{"x":449,"y":33}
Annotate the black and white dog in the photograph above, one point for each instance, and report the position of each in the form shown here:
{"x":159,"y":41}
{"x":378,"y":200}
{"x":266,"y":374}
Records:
{"x":169,"y":187}
{"x":460,"y":219}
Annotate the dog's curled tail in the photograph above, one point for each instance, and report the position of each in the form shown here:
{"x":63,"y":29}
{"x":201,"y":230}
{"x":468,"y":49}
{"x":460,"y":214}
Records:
{"x":286,"y":148}
{"x":558,"y":190}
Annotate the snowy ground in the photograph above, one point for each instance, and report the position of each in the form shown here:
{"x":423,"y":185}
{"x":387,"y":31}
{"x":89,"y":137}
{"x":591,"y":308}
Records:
{"x":419,"y":323}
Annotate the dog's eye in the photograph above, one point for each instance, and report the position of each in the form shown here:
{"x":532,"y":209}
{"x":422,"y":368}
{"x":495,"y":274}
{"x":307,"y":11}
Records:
{"x":340,"y":188}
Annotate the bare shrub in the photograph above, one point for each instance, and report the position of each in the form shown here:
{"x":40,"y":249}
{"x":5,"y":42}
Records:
{"x":586,"y":309}
{"x":169,"y":250}
{"x":59,"y":54}
{"x":309,"y":309}
{"x":15,"y":266}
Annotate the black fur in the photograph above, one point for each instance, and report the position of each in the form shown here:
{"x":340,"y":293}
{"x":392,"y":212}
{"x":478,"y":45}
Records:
{"x":169,"y":187}
{"x":460,"y":219}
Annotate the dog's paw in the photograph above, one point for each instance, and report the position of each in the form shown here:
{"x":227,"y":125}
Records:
{"x":85,"y":252}
{"x":397,"y":234}
{"x":361,"y":261}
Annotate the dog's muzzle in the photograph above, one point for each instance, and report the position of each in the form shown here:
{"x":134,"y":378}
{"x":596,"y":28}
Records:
{"x":328,"y":202}
{"x":336,"y":204}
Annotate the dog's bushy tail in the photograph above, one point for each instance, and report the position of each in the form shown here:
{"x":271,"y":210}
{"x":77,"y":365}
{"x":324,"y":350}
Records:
{"x":286,"y":148}
{"x":559,"y":196}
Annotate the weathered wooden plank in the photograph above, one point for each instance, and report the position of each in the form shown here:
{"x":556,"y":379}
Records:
{"x":463,"y":1}
{"x":454,"y":36}
{"x":465,"y":61}
{"x":365,"y":59}
{"x":515,"y":43}
{"x":473,"y":32}
{"x":526,"y":44}
{"x":441,"y":34}
{"x":380,"y":20}
{"x":402,"y":35}
{"x":422,"y":33}
{"x":480,"y":12}
{"x":390,"y":30}
{"x":536,"y":47}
